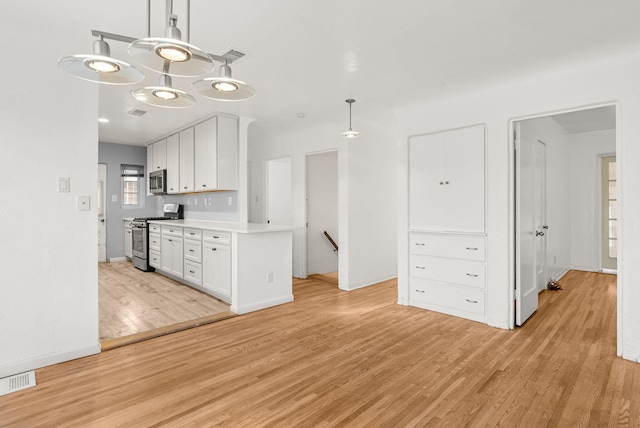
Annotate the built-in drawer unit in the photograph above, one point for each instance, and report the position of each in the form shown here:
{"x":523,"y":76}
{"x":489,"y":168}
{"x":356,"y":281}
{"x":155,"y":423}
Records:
{"x":154,"y":241}
{"x":469,"y":247}
{"x":217,"y":237}
{"x":465,"y":272}
{"x":192,"y":251}
{"x":193,"y":272}
{"x":447,"y":273}
{"x":448,"y":296}
{"x":154,"y":228}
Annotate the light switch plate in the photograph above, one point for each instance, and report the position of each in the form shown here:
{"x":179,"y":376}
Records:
{"x":84,"y":203}
{"x":114,"y":198}
{"x":64,"y":184}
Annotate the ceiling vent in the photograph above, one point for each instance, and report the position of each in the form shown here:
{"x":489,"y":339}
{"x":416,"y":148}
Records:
{"x":136,"y":112}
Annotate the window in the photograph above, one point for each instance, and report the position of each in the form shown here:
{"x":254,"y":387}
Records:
{"x":132,"y":186}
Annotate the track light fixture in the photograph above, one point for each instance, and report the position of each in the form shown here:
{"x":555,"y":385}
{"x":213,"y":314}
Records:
{"x":168,"y":55}
{"x":224,"y":88}
{"x":350,"y":133}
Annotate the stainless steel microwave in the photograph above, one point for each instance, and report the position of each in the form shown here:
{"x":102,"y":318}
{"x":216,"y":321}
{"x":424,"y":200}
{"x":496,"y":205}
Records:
{"x":158,"y":181}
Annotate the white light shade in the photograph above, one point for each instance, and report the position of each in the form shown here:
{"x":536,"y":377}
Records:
{"x":161,"y":54}
{"x":350,"y":134}
{"x":221,"y":88}
{"x":163,"y":96}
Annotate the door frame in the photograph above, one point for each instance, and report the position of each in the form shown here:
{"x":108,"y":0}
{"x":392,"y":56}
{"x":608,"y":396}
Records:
{"x":103,"y":202}
{"x":305,"y":262}
{"x":512,"y":210}
{"x":601,"y":157}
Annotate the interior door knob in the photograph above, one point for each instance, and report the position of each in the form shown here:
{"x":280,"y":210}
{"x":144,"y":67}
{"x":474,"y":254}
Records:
{"x":545,"y":227}
{"x":538,"y":233}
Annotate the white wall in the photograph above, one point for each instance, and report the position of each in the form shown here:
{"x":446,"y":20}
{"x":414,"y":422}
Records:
{"x":366,"y":189}
{"x":582,"y":84}
{"x":48,"y":249}
{"x":586,"y":149}
{"x":558,"y":191}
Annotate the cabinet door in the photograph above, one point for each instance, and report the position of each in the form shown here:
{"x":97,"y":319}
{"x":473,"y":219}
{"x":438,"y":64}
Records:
{"x":173,"y":163}
{"x":216,"y":269}
{"x":187,"y":160}
{"x":149,"y":166}
{"x":128,"y":242}
{"x":205,"y":153}
{"x":177,"y":254}
{"x":159,"y":155}
{"x":427,"y":192}
{"x":464,"y":166}
{"x":166,"y":255}
{"x":227,"y":153}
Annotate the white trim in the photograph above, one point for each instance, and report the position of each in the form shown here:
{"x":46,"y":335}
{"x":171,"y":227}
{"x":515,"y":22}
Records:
{"x":117,"y":259}
{"x":362,"y":284}
{"x":244,"y":309}
{"x":48,"y":360}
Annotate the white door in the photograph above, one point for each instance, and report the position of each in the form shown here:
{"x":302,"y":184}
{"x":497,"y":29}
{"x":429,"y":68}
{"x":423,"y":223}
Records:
{"x":102,"y":213}
{"x":279,"y":192}
{"x":322,"y":212}
{"x":540,"y":213}
{"x":526,"y":292}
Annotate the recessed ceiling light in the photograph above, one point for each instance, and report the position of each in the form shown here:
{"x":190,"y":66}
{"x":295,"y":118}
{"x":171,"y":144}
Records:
{"x":103,"y":120}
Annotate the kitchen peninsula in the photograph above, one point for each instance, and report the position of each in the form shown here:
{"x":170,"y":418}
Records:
{"x":248,"y":265}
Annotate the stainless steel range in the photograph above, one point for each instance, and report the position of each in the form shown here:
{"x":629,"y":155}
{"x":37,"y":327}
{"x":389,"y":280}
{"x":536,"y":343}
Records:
{"x":140,"y":235}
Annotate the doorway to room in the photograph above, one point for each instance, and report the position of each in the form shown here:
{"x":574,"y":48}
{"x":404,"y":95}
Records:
{"x":565,"y":200}
{"x":321,"y":197}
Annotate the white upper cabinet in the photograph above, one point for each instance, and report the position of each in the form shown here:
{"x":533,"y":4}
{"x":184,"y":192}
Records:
{"x":447,"y":181}
{"x":216,"y":154}
{"x":187,"y":160}
{"x":149,"y":166}
{"x":173,"y":163}
{"x":159,"y":155}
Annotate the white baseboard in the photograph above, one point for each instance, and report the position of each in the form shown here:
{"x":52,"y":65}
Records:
{"x":48,"y":360}
{"x":117,"y":259}
{"x":362,"y":284}
{"x":261,"y":305}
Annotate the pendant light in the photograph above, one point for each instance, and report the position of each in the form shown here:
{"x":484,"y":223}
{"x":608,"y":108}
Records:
{"x":100,"y":67}
{"x":350,"y":133}
{"x":164,"y":95}
{"x":224,"y":88}
{"x":185,"y":59}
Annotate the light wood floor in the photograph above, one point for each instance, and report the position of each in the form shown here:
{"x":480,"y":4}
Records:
{"x":132,"y":302}
{"x":335,"y":358}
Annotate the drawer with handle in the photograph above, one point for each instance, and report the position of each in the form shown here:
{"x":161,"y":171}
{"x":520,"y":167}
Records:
{"x":154,"y":228}
{"x":193,"y":234}
{"x":193,"y":272}
{"x":216,"y":236}
{"x":154,"y":241}
{"x":172,"y":231}
{"x":453,"y":246}
{"x":458,"y":298}
{"x":455,"y":271}
{"x":193,"y":250}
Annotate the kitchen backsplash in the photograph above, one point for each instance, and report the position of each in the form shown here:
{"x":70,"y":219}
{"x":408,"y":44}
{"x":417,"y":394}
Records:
{"x":214,"y":206}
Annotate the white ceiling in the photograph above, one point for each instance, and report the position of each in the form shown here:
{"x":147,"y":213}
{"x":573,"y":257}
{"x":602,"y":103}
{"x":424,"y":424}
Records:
{"x":309,"y":56}
{"x":595,"y":119}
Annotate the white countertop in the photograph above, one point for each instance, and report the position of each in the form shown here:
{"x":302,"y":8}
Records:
{"x":224,"y":226}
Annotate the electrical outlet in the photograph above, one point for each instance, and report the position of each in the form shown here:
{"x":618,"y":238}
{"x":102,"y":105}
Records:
{"x":84,"y":203}
{"x":114,"y":198}
{"x":230,"y":200}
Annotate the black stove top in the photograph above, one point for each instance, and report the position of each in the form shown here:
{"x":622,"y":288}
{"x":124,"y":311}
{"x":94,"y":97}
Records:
{"x":152,"y":218}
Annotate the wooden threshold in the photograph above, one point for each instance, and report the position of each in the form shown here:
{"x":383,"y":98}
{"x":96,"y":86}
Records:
{"x":162,"y":331}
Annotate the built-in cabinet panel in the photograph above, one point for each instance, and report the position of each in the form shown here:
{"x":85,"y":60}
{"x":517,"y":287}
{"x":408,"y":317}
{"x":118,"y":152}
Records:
{"x":149,"y":166}
{"x":201,"y":158}
{"x":173,"y":163}
{"x":447,"y":245}
{"x":128,"y":239}
{"x":446,"y":181}
{"x":172,"y":256}
{"x":216,"y":269}
{"x":159,"y":155}
{"x":187,"y":160}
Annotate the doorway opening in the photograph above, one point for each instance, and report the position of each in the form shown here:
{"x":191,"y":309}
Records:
{"x":322,"y":216}
{"x":565,"y":197}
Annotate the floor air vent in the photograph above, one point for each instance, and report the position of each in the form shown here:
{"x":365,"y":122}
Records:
{"x":18,"y":382}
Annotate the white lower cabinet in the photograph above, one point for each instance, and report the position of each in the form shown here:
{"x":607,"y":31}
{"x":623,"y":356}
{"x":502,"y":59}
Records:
{"x":216,"y":267}
{"x":155,"y":259}
{"x":447,"y":274}
{"x":193,"y":255}
{"x":172,"y":256}
{"x":128,"y":239}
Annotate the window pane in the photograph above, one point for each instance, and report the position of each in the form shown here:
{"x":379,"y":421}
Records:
{"x":613,"y":209}
{"x":612,"y":190}
{"x":132,"y":184}
{"x":613,"y":229}
{"x":612,"y":170}
{"x":613,"y":248}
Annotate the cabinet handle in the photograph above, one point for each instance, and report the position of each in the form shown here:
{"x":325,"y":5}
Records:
{"x":472,"y":275}
{"x":446,"y":182}
{"x":420,"y":267}
{"x":171,"y":188}
{"x":420,"y":244}
{"x":472,"y":248}
{"x":214,"y":249}
{"x":192,"y":272}
{"x":216,"y":237}
{"x":170,"y":240}
{"x":419,"y":291}
{"x":441,"y":183}
{"x":471,"y":301}
{"x":185,"y":187}
{"x":204,"y":185}
{"x":191,"y":251}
